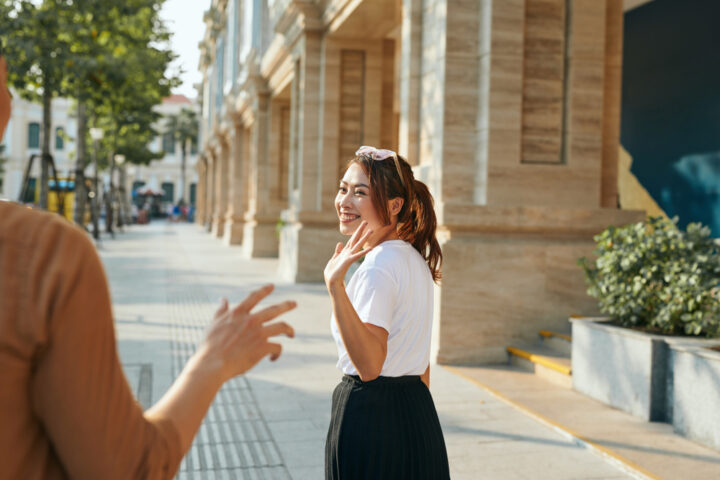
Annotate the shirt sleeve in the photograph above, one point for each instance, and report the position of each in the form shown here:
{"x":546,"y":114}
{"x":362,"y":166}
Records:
{"x":375,"y":296}
{"x":79,"y":390}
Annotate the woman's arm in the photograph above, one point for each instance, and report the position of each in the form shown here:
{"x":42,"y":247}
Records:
{"x":425,"y":377}
{"x":366,"y":344}
{"x":237,"y":339}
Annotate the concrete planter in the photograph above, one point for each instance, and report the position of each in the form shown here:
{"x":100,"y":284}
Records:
{"x":620,"y":367}
{"x":696,"y":392}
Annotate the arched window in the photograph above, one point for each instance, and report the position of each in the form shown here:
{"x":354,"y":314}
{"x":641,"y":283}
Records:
{"x":59,"y":138}
{"x":34,"y":135}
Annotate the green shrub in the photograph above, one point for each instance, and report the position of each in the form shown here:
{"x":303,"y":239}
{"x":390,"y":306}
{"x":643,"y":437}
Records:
{"x":653,"y":275}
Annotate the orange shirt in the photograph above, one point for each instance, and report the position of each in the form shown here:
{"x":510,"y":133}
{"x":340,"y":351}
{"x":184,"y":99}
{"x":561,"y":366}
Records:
{"x":66,"y":409}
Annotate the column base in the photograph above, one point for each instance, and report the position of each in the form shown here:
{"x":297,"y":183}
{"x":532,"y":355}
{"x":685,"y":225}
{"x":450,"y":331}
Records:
{"x":305,"y":250}
{"x":218,"y":227}
{"x":233,"y":233}
{"x":260,"y":239}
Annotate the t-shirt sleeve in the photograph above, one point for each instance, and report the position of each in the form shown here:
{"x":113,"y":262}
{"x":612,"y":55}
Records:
{"x":80,"y":393}
{"x":375,"y":296}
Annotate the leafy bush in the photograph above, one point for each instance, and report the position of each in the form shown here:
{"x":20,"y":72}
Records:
{"x":655,"y":276}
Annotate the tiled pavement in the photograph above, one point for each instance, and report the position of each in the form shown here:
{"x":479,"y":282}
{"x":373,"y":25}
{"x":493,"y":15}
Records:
{"x":166,"y":280}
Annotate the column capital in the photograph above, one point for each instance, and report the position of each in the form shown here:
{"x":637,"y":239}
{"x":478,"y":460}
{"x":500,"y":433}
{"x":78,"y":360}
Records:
{"x":299,"y":17}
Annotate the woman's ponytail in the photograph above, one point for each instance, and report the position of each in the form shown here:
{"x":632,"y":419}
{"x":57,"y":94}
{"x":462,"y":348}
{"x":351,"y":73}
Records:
{"x":419,"y":225}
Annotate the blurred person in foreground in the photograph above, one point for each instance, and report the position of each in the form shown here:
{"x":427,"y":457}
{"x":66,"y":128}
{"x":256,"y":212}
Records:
{"x":66,"y":409}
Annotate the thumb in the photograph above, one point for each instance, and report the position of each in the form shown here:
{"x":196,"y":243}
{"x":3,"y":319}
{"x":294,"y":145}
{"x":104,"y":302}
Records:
{"x":338,"y":248}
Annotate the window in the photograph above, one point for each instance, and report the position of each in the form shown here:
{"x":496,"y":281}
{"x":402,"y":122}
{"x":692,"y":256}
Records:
{"x":168,"y":143}
{"x":169,"y":189}
{"x":193,"y":193}
{"x":59,"y":138}
{"x":34,"y":135}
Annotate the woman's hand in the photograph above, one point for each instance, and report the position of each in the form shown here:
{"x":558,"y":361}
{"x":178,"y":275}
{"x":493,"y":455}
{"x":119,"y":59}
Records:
{"x":238,"y":339}
{"x":345,"y":256}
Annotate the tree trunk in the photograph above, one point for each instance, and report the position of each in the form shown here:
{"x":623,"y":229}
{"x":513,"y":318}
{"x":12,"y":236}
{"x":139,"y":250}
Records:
{"x":46,"y":136}
{"x":80,"y":190}
{"x":182,"y":173}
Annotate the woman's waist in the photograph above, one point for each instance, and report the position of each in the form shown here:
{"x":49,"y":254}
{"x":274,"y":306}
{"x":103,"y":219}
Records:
{"x":382,"y":380}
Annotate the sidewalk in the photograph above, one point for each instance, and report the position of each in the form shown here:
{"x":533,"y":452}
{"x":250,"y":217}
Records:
{"x":166,"y":280}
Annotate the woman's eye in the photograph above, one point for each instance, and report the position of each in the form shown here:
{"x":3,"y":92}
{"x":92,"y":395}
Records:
{"x":342,"y":189}
{"x":358,"y":192}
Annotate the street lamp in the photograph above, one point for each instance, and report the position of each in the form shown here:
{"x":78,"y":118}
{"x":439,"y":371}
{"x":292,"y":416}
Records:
{"x":96,"y":134}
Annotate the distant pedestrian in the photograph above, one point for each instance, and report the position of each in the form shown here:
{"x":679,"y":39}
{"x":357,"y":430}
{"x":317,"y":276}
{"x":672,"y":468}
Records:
{"x":383,"y":422}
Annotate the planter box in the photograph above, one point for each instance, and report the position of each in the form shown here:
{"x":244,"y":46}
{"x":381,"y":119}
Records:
{"x":621,"y":367}
{"x":696,"y":392}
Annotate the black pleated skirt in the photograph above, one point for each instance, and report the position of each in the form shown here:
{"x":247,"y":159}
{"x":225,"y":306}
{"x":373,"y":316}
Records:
{"x":384,"y":429}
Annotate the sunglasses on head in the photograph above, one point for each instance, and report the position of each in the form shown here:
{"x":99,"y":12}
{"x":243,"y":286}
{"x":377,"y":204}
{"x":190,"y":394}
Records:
{"x":380,"y":154}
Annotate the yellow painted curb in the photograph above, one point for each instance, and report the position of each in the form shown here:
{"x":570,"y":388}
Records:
{"x":635,"y":468}
{"x":549,"y":334}
{"x":540,"y":360}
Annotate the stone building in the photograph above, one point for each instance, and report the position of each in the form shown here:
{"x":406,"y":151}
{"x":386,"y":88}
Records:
{"x":24,"y":138}
{"x":165,"y":173}
{"x":509,"y":110}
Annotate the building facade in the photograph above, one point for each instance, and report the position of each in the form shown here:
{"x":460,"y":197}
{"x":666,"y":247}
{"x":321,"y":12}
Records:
{"x":165,"y":174}
{"x":23,"y":139}
{"x":509,"y":111}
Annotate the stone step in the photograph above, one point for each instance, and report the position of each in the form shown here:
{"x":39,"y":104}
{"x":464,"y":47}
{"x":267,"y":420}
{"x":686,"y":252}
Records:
{"x":545,"y":362}
{"x":560,"y":342}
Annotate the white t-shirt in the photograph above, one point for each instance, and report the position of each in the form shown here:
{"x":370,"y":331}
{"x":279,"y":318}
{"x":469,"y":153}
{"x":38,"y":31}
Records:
{"x":393,"y":289}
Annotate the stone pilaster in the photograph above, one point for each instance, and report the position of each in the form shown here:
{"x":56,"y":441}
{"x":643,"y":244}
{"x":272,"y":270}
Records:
{"x":210,"y":188}
{"x":221,"y":187}
{"x":201,"y":195}
{"x":234,"y":224}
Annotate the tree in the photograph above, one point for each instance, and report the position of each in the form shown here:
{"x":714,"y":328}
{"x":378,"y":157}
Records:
{"x":107,"y":54}
{"x":184,"y":128}
{"x":37,"y":49}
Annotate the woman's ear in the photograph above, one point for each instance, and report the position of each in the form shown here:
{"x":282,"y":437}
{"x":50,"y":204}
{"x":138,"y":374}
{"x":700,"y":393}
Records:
{"x":396,"y":205}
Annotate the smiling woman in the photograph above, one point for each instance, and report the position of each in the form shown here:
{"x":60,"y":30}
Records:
{"x":383,"y":423}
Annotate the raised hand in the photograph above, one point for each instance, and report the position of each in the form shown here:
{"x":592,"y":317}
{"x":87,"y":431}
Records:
{"x":238,"y":339}
{"x":346,"y":255}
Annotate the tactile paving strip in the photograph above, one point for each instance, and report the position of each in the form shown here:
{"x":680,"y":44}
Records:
{"x":234,"y":441}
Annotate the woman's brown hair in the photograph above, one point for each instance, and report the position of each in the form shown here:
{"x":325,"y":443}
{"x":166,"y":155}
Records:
{"x":416,"y":220}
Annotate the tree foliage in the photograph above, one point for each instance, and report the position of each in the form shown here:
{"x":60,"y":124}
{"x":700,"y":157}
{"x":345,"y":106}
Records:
{"x":655,"y":276}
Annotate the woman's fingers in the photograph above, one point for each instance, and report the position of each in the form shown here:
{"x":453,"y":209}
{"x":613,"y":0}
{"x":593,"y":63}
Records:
{"x":253,"y":299}
{"x":356,"y":235}
{"x":274,"y":349}
{"x":356,"y":256}
{"x":273,"y":311}
{"x":279,"y":328}
{"x":222,"y":308}
{"x":362,"y":240}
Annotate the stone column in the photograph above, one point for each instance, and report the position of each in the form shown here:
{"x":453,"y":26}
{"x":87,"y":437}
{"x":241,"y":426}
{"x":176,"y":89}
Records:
{"x":263,"y":214}
{"x":200,"y":196}
{"x":221,"y":186}
{"x":233,"y":231}
{"x":409,"y":79}
{"x":210,"y":188}
{"x":514,"y":153}
{"x":309,"y":230}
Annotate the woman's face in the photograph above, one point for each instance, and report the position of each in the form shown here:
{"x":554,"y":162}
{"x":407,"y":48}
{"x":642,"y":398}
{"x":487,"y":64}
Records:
{"x":4,"y":98}
{"x":353,"y":203}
